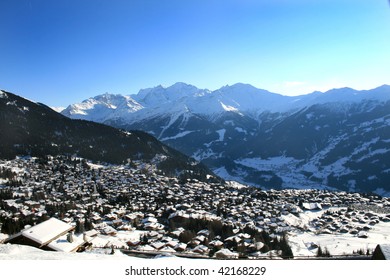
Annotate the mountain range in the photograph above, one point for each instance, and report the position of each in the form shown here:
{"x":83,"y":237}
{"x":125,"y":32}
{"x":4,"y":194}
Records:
{"x":339,"y":139}
{"x":33,"y":129}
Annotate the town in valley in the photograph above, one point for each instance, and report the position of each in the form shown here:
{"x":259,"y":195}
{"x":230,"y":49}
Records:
{"x":137,"y":209}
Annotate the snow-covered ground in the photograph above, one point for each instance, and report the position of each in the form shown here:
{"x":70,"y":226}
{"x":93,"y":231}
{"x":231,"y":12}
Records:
{"x":303,"y":243}
{"x":118,"y":241}
{"x":21,"y":252}
{"x":282,"y":167}
{"x":336,"y":243}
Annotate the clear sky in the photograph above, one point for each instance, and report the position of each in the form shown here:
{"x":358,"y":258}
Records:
{"x":64,"y":51}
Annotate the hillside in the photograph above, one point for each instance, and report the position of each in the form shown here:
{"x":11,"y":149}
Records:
{"x":28,"y":128}
{"x":336,"y":140}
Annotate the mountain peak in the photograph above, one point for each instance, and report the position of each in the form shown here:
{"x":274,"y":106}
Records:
{"x":382,"y":88}
{"x":343,"y":90}
{"x":180,"y":85}
{"x":242,"y":88}
{"x":182,"y":97}
{"x":161,"y":95}
{"x":34,"y":129}
{"x":182,"y":88}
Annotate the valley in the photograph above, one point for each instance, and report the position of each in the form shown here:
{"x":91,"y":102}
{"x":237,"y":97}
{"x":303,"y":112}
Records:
{"x":303,"y":183}
{"x":334,"y":140}
{"x":131,"y":207}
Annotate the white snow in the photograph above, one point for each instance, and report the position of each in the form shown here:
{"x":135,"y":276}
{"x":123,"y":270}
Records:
{"x":269,"y":163}
{"x":95,"y":166}
{"x":373,"y":153}
{"x":228,"y":108}
{"x":58,"y":109}
{"x":3,"y":181}
{"x":339,"y":244}
{"x":222,"y":172}
{"x":119,"y":240}
{"x":3,"y":237}
{"x":187,"y":99}
{"x":61,"y":244}
{"x":226,"y":253}
{"x":46,"y":231}
{"x":239,"y":129}
{"x":103,"y":107}
{"x":336,"y":243}
{"x":221,"y":134}
{"x":282,"y":167}
{"x":21,"y":252}
{"x":179,"y":135}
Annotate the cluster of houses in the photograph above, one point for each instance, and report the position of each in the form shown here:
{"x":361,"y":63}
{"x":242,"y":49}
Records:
{"x":86,"y":203}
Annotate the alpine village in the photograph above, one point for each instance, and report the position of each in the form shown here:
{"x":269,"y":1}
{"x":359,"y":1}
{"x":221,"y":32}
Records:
{"x":79,"y":186}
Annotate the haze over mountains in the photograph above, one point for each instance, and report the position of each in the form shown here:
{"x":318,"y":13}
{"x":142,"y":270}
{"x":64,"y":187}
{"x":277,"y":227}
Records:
{"x":336,"y":139}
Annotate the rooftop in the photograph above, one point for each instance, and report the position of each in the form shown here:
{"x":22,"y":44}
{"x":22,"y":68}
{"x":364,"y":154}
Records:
{"x":47,"y":231}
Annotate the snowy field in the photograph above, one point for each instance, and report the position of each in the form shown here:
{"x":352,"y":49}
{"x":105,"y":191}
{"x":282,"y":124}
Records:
{"x":336,"y":243}
{"x":21,"y":252}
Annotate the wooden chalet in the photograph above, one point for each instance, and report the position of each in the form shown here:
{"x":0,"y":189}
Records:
{"x":50,"y":235}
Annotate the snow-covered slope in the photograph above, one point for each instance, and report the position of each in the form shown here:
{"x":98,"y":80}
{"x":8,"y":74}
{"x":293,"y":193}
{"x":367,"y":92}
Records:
{"x":22,"y":252}
{"x":103,"y":107}
{"x":28,"y":128}
{"x":337,"y":139}
{"x":183,"y":99}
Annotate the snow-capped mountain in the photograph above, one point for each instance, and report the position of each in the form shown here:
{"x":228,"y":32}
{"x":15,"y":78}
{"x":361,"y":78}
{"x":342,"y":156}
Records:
{"x":339,"y":138}
{"x":33,"y":129}
{"x":103,"y":107}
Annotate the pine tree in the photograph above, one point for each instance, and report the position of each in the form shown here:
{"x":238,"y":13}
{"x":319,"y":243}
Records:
{"x":326,"y":252}
{"x":319,"y":252}
{"x":287,"y":252}
{"x":80,"y":226}
{"x":323,"y":252}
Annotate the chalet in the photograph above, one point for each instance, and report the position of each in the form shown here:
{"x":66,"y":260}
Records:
{"x":216,"y":244}
{"x":117,"y":222}
{"x":108,"y":230}
{"x":180,"y":247}
{"x":200,"y":249}
{"x":381,"y":252}
{"x":311,"y":206}
{"x":225,"y":254}
{"x":50,"y":235}
{"x":158,"y":245}
{"x":92,"y":233}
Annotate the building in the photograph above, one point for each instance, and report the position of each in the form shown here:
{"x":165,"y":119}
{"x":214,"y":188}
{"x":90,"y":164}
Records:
{"x":50,"y":235}
{"x":381,"y":252}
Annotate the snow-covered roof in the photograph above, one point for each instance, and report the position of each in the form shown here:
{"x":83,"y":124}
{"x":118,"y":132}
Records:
{"x":385,"y":248}
{"x":311,"y":206}
{"x":61,"y":244}
{"x":22,"y":252}
{"x":149,"y":220}
{"x":226,"y":253}
{"x":47,"y":231}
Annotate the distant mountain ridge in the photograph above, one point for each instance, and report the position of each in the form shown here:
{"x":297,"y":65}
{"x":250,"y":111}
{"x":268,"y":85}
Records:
{"x":28,"y":128}
{"x":336,"y":139}
{"x":184,"y":98}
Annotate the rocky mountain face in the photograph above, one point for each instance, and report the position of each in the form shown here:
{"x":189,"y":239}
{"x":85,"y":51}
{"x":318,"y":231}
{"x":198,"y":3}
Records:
{"x":338,"y":139}
{"x":28,"y":128}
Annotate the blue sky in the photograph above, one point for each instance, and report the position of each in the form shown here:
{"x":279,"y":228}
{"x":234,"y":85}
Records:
{"x":64,"y":51}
